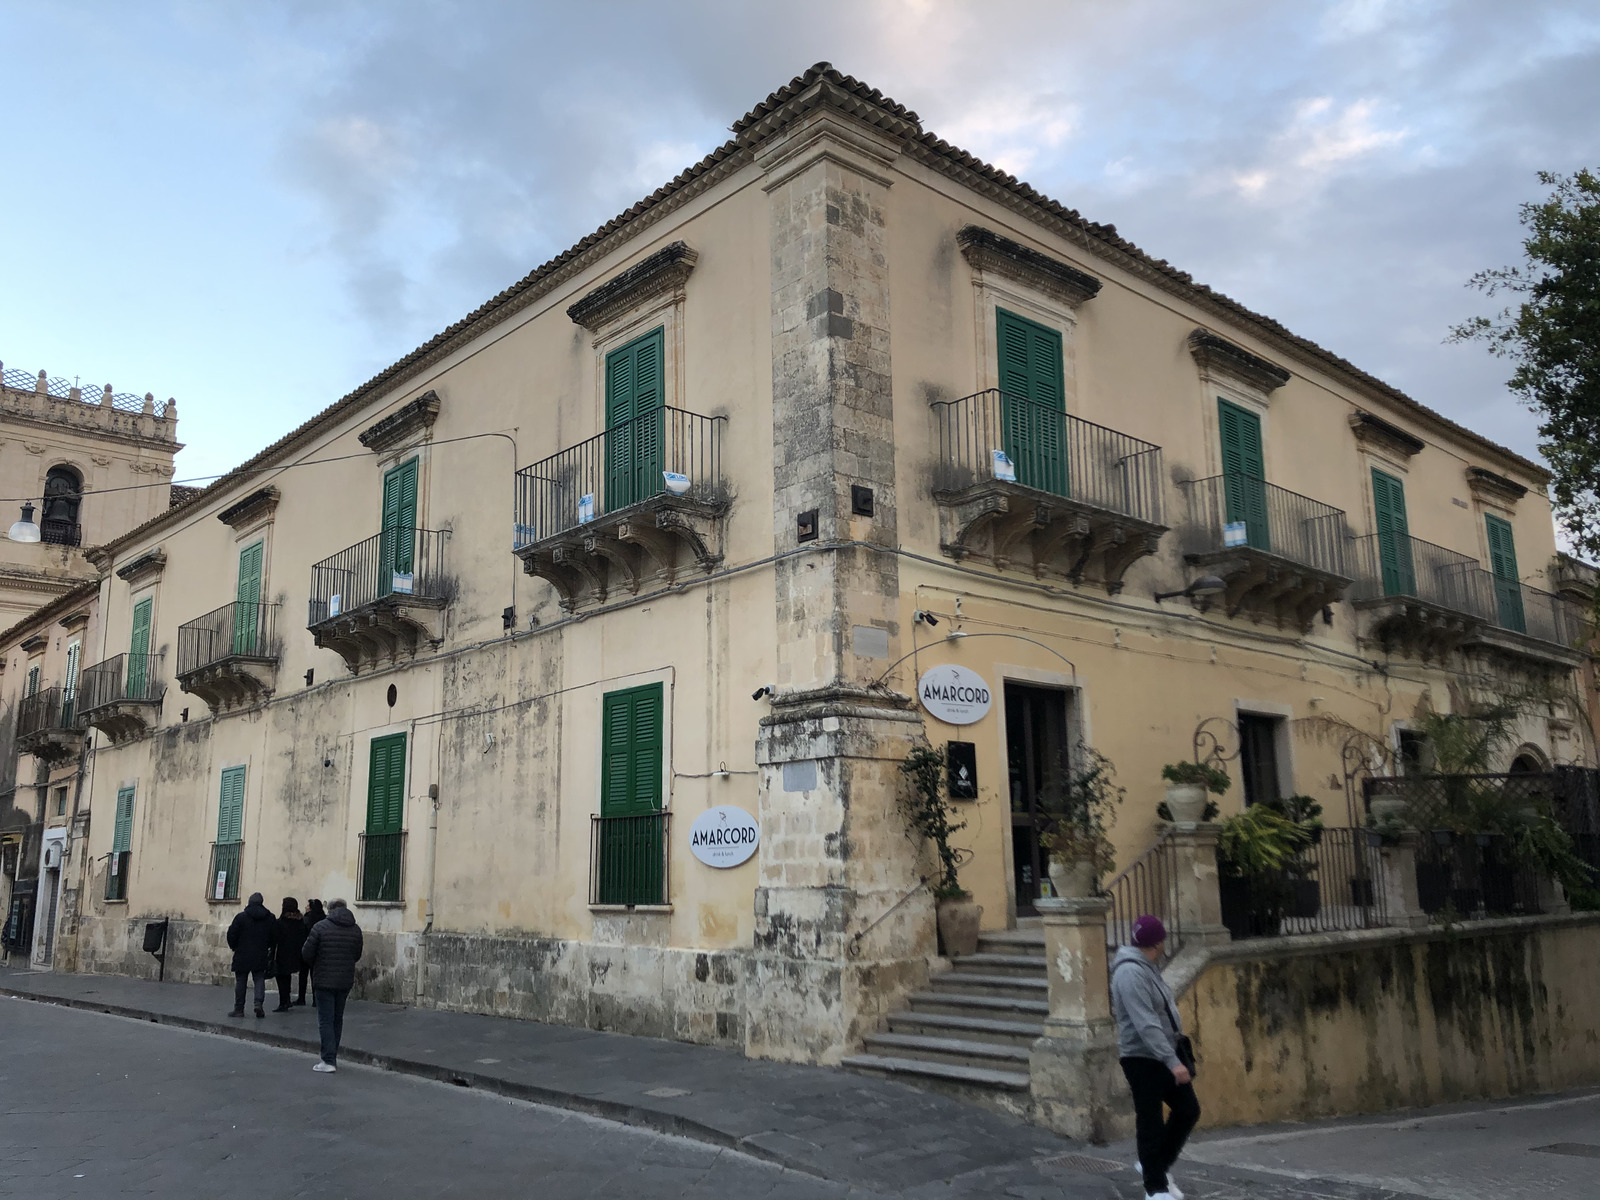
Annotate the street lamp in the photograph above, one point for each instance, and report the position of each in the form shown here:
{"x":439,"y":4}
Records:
{"x":25,"y":530}
{"x":1205,"y":587}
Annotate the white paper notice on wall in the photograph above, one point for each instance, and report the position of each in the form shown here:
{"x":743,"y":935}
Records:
{"x":115,"y":859}
{"x":335,"y":604}
{"x":724,"y":836}
{"x":954,"y":694}
{"x":403,"y":582}
{"x":1235,"y":533}
{"x":1004,"y":469}
{"x":222,"y":886}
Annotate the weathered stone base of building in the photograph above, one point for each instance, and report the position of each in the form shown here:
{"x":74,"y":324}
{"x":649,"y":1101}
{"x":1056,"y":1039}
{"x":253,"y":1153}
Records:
{"x":685,"y":995}
{"x":1328,"y":1025}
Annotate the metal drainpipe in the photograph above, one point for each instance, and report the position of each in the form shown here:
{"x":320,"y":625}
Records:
{"x":433,"y":846}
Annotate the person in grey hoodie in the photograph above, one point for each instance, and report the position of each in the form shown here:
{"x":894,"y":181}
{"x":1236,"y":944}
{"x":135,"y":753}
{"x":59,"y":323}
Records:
{"x":1148,"y":1027}
{"x":332,"y":948}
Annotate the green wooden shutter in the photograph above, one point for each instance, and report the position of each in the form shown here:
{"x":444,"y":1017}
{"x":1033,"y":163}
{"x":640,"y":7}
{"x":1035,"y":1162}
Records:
{"x":1244,"y":472}
{"x":1033,"y":402}
{"x":230,"y":807}
{"x":1394,"y":535}
{"x":386,"y":784}
{"x":122,"y":830}
{"x":399,"y":524}
{"x":247,"y":601}
{"x":1507,"y":580}
{"x":635,"y":394}
{"x":630,"y":860}
{"x":139,"y":648}
{"x":69,"y":690}
{"x":31,"y":687}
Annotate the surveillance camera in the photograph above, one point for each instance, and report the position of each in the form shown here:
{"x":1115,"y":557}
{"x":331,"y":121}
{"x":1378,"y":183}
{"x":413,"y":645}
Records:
{"x":924,"y":618}
{"x":763,"y":690}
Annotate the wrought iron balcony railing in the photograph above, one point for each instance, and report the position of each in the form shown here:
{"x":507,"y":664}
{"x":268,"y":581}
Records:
{"x":238,"y":630}
{"x":1238,"y":510}
{"x":995,"y":436}
{"x":383,"y":866}
{"x":1539,"y":614}
{"x":1396,"y":565}
{"x":123,"y":677}
{"x":118,"y":864}
{"x":666,"y":452}
{"x":223,"y":881}
{"x":51,"y":710}
{"x":629,"y":859}
{"x":401,"y":564}
{"x":60,"y":533}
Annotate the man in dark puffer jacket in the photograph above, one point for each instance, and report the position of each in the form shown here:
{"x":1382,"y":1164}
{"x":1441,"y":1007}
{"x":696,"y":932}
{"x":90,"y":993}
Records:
{"x":251,"y":937}
{"x":333,"y":947}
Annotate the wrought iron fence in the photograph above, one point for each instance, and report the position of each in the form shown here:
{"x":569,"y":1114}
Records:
{"x":239,"y":630}
{"x":223,"y":882}
{"x":118,"y":863}
{"x":629,"y":859}
{"x":1575,"y":805}
{"x":1147,"y":885}
{"x":1394,"y":565}
{"x":1538,"y":614}
{"x":1335,"y":883}
{"x":1240,"y":510}
{"x":121,"y":677}
{"x":56,"y":532}
{"x":994,"y":435}
{"x":669,"y":450}
{"x":51,"y":709}
{"x":1474,"y":875}
{"x":383,"y":865}
{"x":401,"y":563}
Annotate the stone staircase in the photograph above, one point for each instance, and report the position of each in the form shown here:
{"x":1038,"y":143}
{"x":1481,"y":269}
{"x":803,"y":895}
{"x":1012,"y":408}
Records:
{"x":970,"y":1032}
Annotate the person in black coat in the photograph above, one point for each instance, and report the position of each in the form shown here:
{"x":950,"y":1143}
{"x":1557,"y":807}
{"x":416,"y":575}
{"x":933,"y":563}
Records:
{"x":333,"y":948}
{"x":291,"y":935}
{"x":315,"y":915}
{"x":251,"y":937}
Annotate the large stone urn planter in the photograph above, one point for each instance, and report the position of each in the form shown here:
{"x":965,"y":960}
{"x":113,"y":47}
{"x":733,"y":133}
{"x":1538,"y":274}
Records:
{"x":1073,"y":879}
{"x":1186,"y":802}
{"x":958,"y":925}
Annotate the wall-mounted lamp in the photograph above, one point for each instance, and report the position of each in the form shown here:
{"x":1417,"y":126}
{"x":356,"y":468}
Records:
{"x":924,"y":618}
{"x":25,"y":530}
{"x":1203,"y":588}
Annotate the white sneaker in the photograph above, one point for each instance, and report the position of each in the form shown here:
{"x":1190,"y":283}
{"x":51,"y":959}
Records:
{"x":1159,"y":1196}
{"x":1172,"y":1188}
{"x":325,"y":1068}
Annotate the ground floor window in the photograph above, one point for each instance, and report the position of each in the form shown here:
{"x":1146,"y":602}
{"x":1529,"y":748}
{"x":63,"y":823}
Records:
{"x":121,"y":855}
{"x":383,"y":843}
{"x":628,"y":837}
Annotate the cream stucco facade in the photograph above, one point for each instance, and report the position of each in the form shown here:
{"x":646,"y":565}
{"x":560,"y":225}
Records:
{"x":829,"y":290}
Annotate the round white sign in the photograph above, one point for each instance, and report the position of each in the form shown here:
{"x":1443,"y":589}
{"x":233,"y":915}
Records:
{"x":954,"y":694}
{"x":724,"y":836}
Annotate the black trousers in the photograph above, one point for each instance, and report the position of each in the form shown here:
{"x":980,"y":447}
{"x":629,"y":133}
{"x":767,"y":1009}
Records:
{"x":241,"y":984}
{"x":1160,"y":1137}
{"x":284,"y":982}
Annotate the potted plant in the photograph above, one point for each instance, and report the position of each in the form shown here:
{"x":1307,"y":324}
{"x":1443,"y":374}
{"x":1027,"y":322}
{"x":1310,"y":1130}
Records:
{"x":1188,"y":785}
{"x":1253,"y":852}
{"x":927,"y":806}
{"x":1304,"y":898}
{"x":1084,"y":809}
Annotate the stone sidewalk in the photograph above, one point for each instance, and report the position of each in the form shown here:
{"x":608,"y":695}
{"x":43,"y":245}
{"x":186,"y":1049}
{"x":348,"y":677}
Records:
{"x":875,"y":1135}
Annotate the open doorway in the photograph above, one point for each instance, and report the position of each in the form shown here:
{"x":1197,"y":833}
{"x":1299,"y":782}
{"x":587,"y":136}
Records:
{"x":1259,"y":758}
{"x":1038,"y":748}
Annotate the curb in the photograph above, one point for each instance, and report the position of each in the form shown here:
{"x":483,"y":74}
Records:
{"x":610,"y":1110}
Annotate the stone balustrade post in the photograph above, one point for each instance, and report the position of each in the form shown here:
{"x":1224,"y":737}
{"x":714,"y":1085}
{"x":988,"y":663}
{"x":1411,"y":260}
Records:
{"x":1199,"y":898}
{"x":105,"y":397}
{"x":1400,"y":898}
{"x":43,"y":385}
{"x":1077,"y":1082}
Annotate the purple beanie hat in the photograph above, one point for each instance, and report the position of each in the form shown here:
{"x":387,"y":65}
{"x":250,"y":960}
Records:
{"x":1149,"y":931}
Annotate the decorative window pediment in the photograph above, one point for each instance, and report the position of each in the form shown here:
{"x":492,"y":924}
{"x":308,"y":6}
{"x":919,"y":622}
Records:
{"x":662,"y":273}
{"x":146,"y":567}
{"x":1487,"y":486}
{"x":1218,"y":357}
{"x":398,"y":427}
{"x":988,"y":251}
{"x":1378,"y":434}
{"x":252,"y":508}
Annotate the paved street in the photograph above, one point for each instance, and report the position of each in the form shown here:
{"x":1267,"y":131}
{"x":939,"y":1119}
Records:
{"x":98,"y":1106}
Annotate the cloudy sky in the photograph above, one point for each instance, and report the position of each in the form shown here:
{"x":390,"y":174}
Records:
{"x":255,"y":207}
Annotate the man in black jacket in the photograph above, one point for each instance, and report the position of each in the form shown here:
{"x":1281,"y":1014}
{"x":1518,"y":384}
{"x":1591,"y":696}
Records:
{"x":250,"y":937}
{"x":333,"y":947}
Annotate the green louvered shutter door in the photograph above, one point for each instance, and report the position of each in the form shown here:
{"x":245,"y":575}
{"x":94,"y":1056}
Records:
{"x":1394,"y":535}
{"x":399,"y":524}
{"x":247,"y":601}
{"x":139,"y":648}
{"x":1033,"y":402}
{"x":31,"y":686}
{"x":1507,"y":580}
{"x":69,"y":690}
{"x":122,"y":830}
{"x":635,"y":393}
{"x":630,"y":849}
{"x":230,"y":807}
{"x":386,"y":783}
{"x":1244,"y":472}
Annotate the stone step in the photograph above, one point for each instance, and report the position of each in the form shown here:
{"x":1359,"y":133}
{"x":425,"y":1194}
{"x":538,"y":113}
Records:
{"x":1001,"y":964}
{"x":1023,"y":986}
{"x":1012,"y":941}
{"x":1020,"y":1033}
{"x":947,"y":1073}
{"x":970,"y":1005}
{"x":995,"y":1056}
